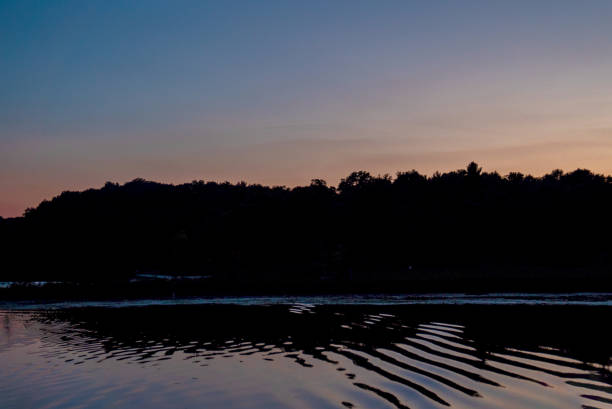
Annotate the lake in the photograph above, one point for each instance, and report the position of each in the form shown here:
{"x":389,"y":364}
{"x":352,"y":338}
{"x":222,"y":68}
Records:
{"x":501,"y":351}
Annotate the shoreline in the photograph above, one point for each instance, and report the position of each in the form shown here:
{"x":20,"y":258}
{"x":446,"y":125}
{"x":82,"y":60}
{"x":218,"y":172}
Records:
{"x":439,"y":283}
{"x":447,"y":300}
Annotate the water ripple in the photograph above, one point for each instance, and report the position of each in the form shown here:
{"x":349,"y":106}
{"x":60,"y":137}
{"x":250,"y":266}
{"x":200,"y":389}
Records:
{"x":305,"y":355}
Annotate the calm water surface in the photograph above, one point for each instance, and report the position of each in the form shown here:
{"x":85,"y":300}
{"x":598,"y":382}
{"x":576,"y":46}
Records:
{"x":307,"y":356}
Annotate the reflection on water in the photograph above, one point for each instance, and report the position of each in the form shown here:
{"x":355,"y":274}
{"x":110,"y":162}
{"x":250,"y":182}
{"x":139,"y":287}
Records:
{"x":305,"y":356}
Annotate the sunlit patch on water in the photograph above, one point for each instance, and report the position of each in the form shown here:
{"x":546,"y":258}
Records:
{"x":303,"y":355}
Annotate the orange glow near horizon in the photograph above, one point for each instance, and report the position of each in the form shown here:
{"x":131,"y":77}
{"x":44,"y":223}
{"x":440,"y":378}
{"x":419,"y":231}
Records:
{"x":279,"y":95}
{"x":296,"y":163}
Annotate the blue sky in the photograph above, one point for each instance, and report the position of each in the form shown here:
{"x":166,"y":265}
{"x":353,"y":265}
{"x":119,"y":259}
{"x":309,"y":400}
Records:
{"x":282,"y":92}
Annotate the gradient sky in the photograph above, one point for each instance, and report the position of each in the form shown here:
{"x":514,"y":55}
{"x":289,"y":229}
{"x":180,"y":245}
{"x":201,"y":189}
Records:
{"x":283,"y":92}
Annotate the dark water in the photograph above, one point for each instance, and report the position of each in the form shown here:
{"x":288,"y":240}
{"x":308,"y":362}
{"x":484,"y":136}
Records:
{"x":306,"y":356}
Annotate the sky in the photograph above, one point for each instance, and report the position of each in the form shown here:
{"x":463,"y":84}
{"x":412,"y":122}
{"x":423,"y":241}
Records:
{"x":281,"y":92}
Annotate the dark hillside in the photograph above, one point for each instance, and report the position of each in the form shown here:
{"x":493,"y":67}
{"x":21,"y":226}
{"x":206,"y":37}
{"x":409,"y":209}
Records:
{"x":369,"y":227}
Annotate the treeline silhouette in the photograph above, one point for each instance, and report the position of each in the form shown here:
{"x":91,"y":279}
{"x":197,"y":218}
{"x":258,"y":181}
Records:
{"x":464,"y":223}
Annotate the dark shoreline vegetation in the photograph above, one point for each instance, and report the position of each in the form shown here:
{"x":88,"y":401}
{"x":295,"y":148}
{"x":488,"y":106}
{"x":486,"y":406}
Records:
{"x":466,"y":231}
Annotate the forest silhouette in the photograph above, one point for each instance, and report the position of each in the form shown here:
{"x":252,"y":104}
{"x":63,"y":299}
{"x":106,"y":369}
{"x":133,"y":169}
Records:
{"x":465,"y":225}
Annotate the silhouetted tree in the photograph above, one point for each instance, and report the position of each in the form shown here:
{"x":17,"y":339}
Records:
{"x":473,"y":169}
{"x":370,"y":225}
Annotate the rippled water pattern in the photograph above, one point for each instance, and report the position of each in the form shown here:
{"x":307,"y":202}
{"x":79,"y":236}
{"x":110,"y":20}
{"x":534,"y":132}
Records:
{"x":306,"y":356}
